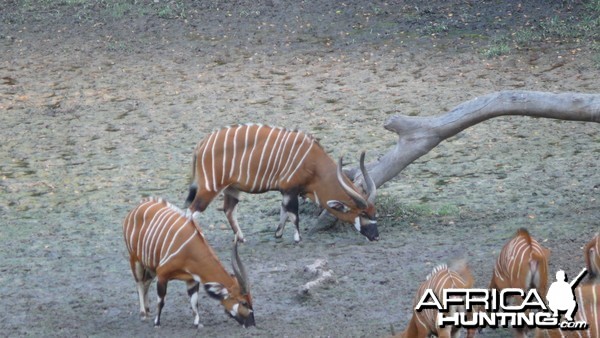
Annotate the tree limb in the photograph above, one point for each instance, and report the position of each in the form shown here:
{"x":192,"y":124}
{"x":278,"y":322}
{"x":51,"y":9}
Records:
{"x":418,"y":135}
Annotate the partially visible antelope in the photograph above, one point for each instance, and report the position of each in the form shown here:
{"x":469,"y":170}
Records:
{"x":591,"y":252}
{"x":255,"y":158}
{"x":523,"y":264}
{"x":423,"y":323}
{"x":588,"y":310}
{"x":166,"y":243}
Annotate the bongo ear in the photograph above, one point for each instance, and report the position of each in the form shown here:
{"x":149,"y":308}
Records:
{"x":216,"y":290}
{"x":338,"y":206}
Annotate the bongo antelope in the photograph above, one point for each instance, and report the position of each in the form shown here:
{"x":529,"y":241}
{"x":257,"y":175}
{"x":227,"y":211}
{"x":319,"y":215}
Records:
{"x":165,"y":243}
{"x":591,"y":252}
{"x":423,"y":323}
{"x":523,"y":264}
{"x":255,"y":158}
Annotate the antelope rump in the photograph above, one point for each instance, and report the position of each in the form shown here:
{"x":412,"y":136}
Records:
{"x":523,"y":264}
{"x":424,"y":323}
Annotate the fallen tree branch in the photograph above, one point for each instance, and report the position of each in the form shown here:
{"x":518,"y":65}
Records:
{"x":418,"y":135}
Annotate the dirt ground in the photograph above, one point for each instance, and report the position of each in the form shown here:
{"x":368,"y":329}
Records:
{"x":99,"y":109}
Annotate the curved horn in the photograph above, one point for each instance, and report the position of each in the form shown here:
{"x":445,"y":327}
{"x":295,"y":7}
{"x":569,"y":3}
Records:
{"x":356,"y":197}
{"x":238,"y":268}
{"x":371,"y":188}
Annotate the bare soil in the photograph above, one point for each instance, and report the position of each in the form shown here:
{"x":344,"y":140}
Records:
{"x":98,"y":110}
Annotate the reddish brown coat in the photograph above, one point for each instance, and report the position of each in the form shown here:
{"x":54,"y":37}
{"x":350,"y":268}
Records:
{"x":591,"y":254}
{"x":255,"y":158}
{"x":164,"y":242}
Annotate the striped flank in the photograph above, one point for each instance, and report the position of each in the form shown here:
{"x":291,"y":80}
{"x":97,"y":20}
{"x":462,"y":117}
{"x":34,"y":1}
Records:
{"x":156,"y":231}
{"x":255,"y":157}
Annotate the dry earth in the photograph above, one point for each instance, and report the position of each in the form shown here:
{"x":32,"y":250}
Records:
{"x":100,"y":108}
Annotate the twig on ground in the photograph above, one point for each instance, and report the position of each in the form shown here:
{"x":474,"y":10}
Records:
{"x":324,"y":275}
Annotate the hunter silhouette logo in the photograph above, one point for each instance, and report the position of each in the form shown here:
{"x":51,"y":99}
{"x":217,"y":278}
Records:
{"x":479,"y":308}
{"x":560,"y":295}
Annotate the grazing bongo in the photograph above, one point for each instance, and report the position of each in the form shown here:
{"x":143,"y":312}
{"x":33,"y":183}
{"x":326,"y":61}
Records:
{"x":591,"y":253}
{"x":254,"y":158}
{"x":166,"y":243}
{"x":423,"y":323}
{"x":523,"y":264}
{"x":588,"y":310}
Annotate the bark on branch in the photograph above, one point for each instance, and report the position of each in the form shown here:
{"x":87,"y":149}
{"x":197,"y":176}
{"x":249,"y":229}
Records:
{"x":418,"y":135}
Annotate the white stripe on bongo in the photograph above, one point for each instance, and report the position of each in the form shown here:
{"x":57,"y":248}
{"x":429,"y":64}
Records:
{"x":290,"y":158}
{"x":440,"y":278}
{"x":269,"y":169}
{"x":426,"y":314}
{"x":164,"y":249}
{"x":126,"y":224}
{"x":153,"y":247}
{"x":521,"y":251}
{"x":142,"y":226}
{"x":262,"y":155}
{"x":279,"y":158}
{"x":234,"y":150}
{"x":166,"y":259}
{"x":155,"y":223}
{"x":225,"y":144}
{"x":173,"y":241}
{"x":243,"y":153}
{"x":214,"y":173}
{"x":516,"y":254}
{"x":129,"y":232}
{"x":301,"y":160}
{"x":147,"y":227}
{"x":594,"y":306}
{"x":287,"y":153}
{"x":206,"y":184}
{"x":282,"y":155}
{"x":581,"y":311}
{"x":250,"y":158}
{"x":594,"y":259}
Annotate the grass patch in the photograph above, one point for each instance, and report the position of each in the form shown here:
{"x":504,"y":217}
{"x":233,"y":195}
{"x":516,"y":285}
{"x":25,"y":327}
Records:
{"x":575,"y":30}
{"x":84,"y":10}
{"x":174,"y":10}
{"x":576,"y":27}
{"x":390,"y":209}
{"x":497,"y":49}
{"x":435,"y":29}
{"x":526,"y":36}
{"x":596,"y":60}
{"x":119,"y":9}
